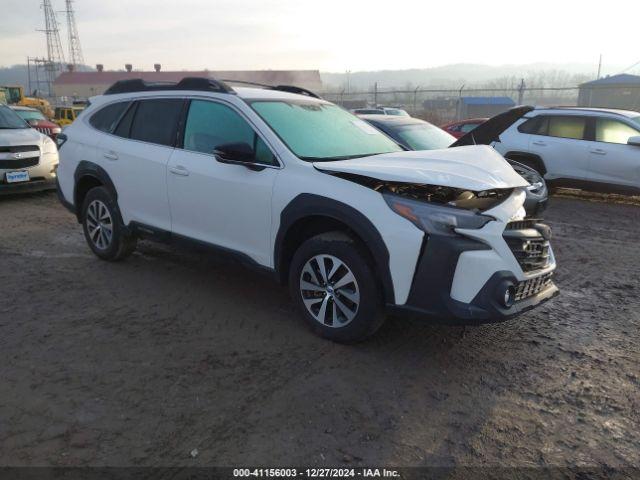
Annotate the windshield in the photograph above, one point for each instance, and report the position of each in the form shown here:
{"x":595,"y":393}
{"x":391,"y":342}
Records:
{"x":30,"y":114}
{"x":423,"y":136}
{"x":9,"y":119}
{"x":317,"y":131}
{"x":396,"y":112}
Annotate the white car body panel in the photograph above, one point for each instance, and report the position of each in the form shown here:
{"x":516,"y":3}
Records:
{"x":474,"y":168}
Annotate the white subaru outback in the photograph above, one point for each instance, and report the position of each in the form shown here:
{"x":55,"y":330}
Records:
{"x":297,"y":186}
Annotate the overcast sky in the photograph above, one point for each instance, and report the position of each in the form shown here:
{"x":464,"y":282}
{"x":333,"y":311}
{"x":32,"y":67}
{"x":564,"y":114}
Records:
{"x":331,"y":35}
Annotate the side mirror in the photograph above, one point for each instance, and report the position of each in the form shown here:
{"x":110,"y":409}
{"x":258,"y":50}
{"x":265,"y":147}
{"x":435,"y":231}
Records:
{"x":237,"y":153}
{"x":635,"y":141}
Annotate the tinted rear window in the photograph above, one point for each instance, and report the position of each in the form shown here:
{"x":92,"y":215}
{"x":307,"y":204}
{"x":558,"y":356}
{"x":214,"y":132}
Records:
{"x":106,"y":118}
{"x":156,"y":121}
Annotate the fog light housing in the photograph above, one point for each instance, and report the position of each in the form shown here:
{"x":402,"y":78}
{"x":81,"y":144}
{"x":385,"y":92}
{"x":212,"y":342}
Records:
{"x":509,"y":296}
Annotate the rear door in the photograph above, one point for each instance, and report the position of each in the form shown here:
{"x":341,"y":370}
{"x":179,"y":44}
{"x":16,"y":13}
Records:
{"x":611,"y":160}
{"x":136,"y":157}
{"x":562,"y":143}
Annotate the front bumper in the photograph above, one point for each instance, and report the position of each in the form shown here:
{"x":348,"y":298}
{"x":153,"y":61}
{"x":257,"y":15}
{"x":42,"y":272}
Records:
{"x":36,"y":184}
{"x":42,"y":176}
{"x":440,"y":267}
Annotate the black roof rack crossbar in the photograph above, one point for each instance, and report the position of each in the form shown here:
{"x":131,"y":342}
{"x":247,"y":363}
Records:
{"x":188,"y":83}
{"x":282,"y":88}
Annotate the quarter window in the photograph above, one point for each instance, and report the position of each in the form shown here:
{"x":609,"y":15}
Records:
{"x":156,"y":121}
{"x":212,"y":124}
{"x":105,"y":119}
{"x":613,"y":131}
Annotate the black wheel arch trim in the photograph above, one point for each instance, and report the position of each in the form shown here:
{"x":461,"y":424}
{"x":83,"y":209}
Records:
{"x":90,"y":169}
{"x":310,"y":205}
{"x":527,"y":155}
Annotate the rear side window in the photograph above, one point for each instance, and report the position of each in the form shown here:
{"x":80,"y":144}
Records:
{"x":533,"y":125}
{"x":156,"y":121}
{"x":567,"y":127}
{"x":106,"y":118}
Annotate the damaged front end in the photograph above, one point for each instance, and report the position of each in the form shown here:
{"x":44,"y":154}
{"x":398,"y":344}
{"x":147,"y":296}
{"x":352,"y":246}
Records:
{"x":436,"y":208}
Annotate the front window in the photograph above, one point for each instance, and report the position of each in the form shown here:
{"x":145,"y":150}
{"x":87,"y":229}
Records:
{"x":423,"y":136}
{"x":317,"y":131}
{"x":613,"y":131}
{"x":10,"y":120}
{"x":636,"y":120}
{"x":27,"y":115}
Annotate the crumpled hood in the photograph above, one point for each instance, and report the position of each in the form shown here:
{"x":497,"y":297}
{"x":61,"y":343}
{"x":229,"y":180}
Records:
{"x":476,"y":168}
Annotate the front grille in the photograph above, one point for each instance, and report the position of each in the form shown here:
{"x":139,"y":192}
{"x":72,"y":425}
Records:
{"x":20,"y":149}
{"x":21,"y":163}
{"x":522,"y":224}
{"x":531,"y":253}
{"x":531,"y":287}
{"x":44,"y":130}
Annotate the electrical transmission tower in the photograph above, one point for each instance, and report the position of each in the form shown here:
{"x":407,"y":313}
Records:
{"x":75,"y":50}
{"x":55,"y":55}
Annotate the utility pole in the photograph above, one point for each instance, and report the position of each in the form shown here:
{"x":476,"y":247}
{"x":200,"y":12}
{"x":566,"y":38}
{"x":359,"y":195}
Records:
{"x":375,"y":94}
{"x":599,"y":67}
{"x":521,"y":92}
{"x":75,"y":50}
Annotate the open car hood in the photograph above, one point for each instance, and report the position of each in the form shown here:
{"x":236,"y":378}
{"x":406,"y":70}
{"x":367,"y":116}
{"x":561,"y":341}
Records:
{"x":475,"y":168}
{"x":488,"y":132}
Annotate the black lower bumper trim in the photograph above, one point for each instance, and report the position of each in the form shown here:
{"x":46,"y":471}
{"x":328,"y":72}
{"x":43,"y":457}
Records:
{"x":36,"y":185}
{"x":430,"y":294}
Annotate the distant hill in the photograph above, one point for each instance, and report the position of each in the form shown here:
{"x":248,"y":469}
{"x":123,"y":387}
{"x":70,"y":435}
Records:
{"x":470,"y":75}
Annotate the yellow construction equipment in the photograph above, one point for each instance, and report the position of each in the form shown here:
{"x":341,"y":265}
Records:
{"x":66,"y":115}
{"x":15,"y":96}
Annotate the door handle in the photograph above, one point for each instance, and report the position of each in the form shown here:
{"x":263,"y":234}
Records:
{"x":539,"y":143}
{"x":598,"y":151}
{"x":110,"y":155}
{"x":179,"y":170}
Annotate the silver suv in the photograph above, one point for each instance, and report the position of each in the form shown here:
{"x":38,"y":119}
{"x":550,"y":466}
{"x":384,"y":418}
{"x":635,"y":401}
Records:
{"x":589,"y":148}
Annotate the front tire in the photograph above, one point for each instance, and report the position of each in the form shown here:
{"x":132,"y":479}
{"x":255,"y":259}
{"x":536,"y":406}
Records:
{"x":103,"y":228}
{"x":334,"y":286}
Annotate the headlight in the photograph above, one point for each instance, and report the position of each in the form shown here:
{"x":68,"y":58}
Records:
{"x":56,"y":130}
{"x":537,"y":185}
{"x":432,"y":218}
{"x":49,"y":146}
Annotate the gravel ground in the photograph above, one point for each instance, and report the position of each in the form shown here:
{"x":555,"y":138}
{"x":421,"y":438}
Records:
{"x":140,"y":362}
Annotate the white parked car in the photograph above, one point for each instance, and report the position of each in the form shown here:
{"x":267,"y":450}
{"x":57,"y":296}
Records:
{"x":28,"y":158}
{"x":294,"y":185}
{"x":589,"y":148}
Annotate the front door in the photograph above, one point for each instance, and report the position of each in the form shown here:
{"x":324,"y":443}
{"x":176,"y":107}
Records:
{"x":218,"y":203}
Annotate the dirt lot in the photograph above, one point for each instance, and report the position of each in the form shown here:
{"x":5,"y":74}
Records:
{"x":139,"y":363}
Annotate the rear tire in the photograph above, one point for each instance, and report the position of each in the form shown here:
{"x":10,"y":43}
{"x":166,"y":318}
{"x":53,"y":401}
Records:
{"x":334,"y":286}
{"x":103,"y":228}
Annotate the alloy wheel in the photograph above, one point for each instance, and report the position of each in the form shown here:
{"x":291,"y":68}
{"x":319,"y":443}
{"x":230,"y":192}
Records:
{"x":99,"y":224}
{"x":329,"y":290}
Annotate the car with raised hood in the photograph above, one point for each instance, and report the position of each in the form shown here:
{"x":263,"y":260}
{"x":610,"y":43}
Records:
{"x":295,"y":186}
{"x":28,"y":158}
{"x":415,"y":134}
{"x":579,"y":147}
{"x":37,"y":120}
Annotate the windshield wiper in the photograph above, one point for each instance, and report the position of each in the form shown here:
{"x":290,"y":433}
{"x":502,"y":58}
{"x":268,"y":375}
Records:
{"x":332,"y":159}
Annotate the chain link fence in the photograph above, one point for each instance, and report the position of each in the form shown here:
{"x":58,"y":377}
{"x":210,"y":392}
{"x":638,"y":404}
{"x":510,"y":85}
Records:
{"x":440,"y":106}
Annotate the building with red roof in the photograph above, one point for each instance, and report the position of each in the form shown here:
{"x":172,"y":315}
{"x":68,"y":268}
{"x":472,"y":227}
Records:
{"x":80,"y":85}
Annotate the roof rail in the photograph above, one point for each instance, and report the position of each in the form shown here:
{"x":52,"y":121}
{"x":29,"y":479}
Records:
{"x":294,"y":89}
{"x":187,"y":83}
{"x":282,"y":88}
